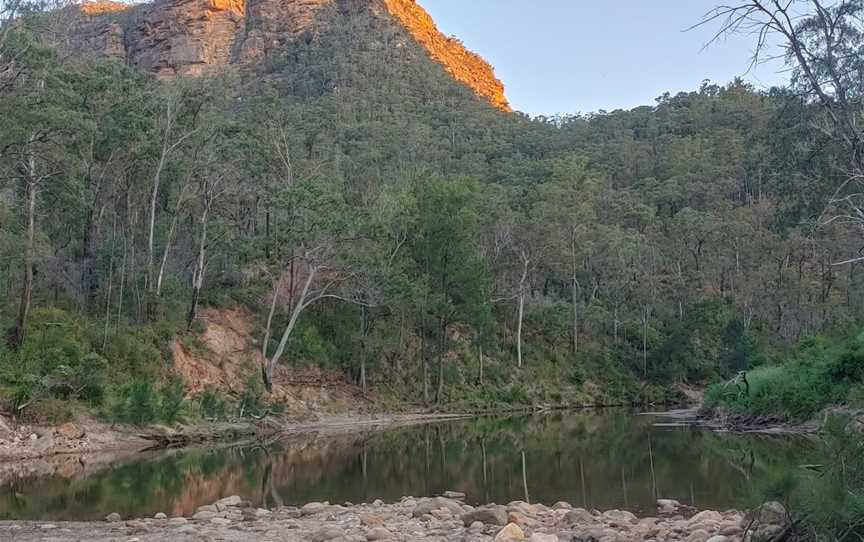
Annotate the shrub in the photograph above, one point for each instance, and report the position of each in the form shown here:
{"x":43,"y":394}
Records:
{"x":136,"y":403}
{"x":213,"y":405}
{"x":172,"y":399}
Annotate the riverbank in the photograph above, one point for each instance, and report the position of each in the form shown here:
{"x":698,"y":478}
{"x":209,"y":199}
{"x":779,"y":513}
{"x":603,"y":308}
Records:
{"x":89,"y":445}
{"x":438,"y":519}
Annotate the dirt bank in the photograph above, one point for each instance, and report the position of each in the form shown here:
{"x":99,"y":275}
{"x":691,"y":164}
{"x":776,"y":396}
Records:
{"x":438,"y":519}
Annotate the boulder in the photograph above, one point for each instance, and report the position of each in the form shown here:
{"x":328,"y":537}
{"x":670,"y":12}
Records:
{"x":425,"y":506}
{"x":207,"y":508}
{"x":698,"y":535}
{"x":203,"y":516}
{"x":455,"y":495}
{"x":773,"y":513}
{"x":561,"y":505}
{"x":620,"y":516}
{"x":233,"y":500}
{"x":113,"y":517}
{"x":160,"y":515}
{"x":668,"y":506}
{"x":313,"y":508}
{"x":522,"y":520}
{"x":327,"y":533}
{"x":580,"y":516}
{"x":510,"y":533}
{"x":707,"y":516}
{"x":490,"y":515}
{"x":378,"y":533}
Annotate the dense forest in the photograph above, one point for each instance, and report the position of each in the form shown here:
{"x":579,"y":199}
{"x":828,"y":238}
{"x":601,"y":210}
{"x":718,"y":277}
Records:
{"x":379,"y":219}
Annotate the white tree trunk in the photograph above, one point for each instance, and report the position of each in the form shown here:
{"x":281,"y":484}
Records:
{"x":300,"y":304}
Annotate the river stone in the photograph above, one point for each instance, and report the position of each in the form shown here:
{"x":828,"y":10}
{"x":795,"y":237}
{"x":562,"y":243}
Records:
{"x":204,"y":515}
{"x":561,"y":505}
{"x":327,"y":533}
{"x":539,"y":537}
{"x":455,"y":495}
{"x":522,"y":520}
{"x":372,"y":520}
{"x":160,"y":515}
{"x":178,"y":521}
{"x":113,"y":517}
{"x":698,"y":535}
{"x":378,"y":533}
{"x":668,"y":506}
{"x":718,"y":538}
{"x":425,"y":506}
{"x":580,"y":516}
{"x":492,"y":515}
{"x":706,"y":516}
{"x":620,"y":516}
{"x":207,"y":508}
{"x":476,"y":526}
{"x":220,"y":521}
{"x":730,"y":529}
{"x":767,"y":532}
{"x":233,"y":500}
{"x":313,"y":508}
{"x":772,"y":513}
{"x":441,"y":514}
{"x":510,"y":533}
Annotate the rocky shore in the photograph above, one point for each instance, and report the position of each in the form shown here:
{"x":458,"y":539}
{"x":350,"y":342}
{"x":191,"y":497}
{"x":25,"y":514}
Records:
{"x":437,"y":519}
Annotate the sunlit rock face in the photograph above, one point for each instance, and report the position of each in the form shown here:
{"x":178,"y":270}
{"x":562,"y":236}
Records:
{"x":185,"y":37}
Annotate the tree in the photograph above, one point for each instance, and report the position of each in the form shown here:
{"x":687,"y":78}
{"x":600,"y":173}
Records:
{"x":444,"y":245}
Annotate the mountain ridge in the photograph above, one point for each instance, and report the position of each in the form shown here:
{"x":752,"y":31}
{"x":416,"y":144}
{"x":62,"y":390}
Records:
{"x":188,"y":37}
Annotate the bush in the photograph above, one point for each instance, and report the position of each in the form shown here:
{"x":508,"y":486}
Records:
{"x":136,"y":403}
{"x":172,"y":399}
{"x":213,"y":406}
{"x":818,"y":374}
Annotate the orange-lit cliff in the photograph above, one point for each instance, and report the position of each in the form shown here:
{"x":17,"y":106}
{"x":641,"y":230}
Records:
{"x":186,"y":37}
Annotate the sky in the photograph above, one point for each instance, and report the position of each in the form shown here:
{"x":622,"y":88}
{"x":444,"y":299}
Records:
{"x":569,"y":56}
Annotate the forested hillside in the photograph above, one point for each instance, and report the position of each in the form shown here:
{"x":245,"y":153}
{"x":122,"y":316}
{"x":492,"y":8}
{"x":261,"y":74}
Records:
{"x":380,"y":219}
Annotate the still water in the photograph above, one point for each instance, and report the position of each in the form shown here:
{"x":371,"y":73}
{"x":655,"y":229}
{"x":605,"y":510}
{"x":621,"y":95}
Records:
{"x":594,"y":459}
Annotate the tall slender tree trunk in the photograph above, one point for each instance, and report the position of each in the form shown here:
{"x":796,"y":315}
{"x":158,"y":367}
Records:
{"x":574,"y":290}
{"x":363,"y":349}
{"x":519,"y":315}
{"x":520,"y":311}
{"x":198,"y":276}
{"x":31,"y":193}
{"x":271,"y":363}
{"x":442,"y":345}
{"x":110,"y":283}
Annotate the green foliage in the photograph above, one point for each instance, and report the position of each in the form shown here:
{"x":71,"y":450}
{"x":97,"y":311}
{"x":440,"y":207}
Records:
{"x":212,"y":404}
{"x":172,"y":400}
{"x":136,"y":403}
{"x":819,"y":373}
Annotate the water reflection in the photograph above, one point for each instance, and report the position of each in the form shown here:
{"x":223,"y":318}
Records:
{"x":603,"y":460}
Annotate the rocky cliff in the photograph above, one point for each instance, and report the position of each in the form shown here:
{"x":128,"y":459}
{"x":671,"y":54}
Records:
{"x":186,"y":37}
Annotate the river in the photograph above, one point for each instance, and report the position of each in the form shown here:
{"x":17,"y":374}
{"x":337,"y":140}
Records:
{"x":594,"y":459}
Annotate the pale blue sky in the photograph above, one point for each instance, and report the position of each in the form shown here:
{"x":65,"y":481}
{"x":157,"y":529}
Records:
{"x":567,"y":56}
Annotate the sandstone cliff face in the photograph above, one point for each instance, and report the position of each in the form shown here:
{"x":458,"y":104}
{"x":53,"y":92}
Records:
{"x":186,"y":37}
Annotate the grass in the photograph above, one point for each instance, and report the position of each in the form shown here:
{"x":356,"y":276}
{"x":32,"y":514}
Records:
{"x":818,"y":373}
